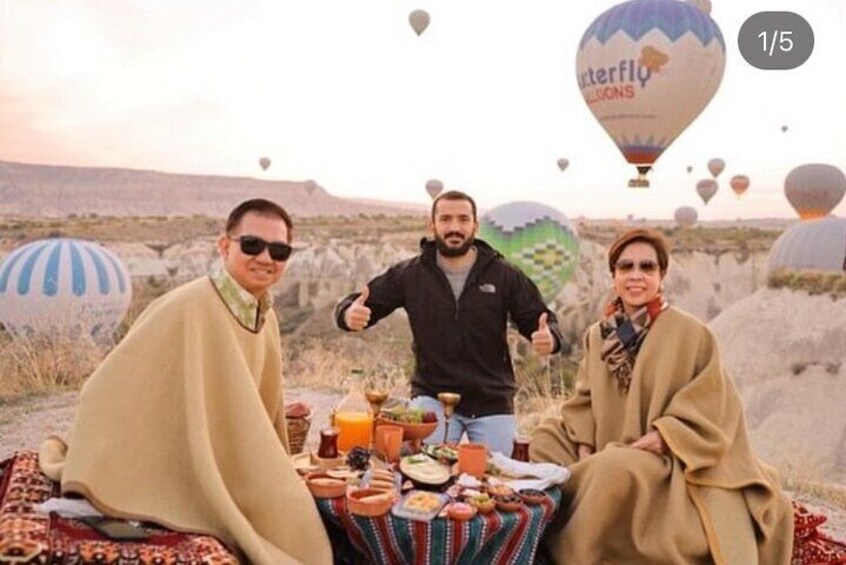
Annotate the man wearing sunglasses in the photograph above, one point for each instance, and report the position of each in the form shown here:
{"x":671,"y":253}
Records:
{"x":459,"y":294}
{"x":183,"y":422}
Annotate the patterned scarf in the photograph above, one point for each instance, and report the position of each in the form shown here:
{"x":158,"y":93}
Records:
{"x":622,"y":336}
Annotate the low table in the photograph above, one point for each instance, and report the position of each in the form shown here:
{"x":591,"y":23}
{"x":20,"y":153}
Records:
{"x":495,"y":538}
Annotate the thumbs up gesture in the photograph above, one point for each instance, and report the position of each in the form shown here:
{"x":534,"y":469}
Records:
{"x":357,"y":315}
{"x":542,"y":340}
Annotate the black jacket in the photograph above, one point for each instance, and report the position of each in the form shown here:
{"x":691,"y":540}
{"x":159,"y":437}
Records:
{"x":460,"y":346}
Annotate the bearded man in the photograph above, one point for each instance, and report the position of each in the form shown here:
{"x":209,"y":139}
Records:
{"x":458,"y":293}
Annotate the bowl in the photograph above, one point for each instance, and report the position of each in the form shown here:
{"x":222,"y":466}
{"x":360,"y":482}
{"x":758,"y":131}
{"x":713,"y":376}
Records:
{"x":483,"y":505}
{"x":410,"y":431}
{"x":322,"y":485}
{"x":369,"y":502}
{"x":508,"y":502}
{"x":460,"y":511}
{"x":532,"y":496}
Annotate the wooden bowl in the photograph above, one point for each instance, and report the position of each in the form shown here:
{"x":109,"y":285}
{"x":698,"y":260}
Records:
{"x":508,"y":503}
{"x":322,"y":485}
{"x":369,"y":502}
{"x":412,"y":432}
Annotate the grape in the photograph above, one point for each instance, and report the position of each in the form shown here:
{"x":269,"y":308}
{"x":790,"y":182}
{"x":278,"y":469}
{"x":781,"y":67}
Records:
{"x":358,"y":458}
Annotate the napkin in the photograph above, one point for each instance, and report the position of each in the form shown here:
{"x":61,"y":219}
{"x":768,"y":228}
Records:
{"x":547,"y":474}
{"x":68,"y":507}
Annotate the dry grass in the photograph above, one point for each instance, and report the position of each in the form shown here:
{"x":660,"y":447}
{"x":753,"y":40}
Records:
{"x":812,"y":282}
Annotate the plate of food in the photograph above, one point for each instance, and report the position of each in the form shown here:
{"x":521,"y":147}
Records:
{"x":420,"y":505}
{"x":441,"y":452}
{"x":423,"y":469}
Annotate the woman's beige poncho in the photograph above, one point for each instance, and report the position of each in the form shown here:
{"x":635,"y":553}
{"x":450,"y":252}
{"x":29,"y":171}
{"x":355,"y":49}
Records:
{"x":625,"y":505}
{"x":182,"y":425}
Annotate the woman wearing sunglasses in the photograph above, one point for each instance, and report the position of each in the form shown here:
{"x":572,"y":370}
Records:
{"x":655,"y":437}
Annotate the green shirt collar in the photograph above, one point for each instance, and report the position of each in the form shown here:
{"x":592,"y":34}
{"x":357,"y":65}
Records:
{"x":247,"y":309}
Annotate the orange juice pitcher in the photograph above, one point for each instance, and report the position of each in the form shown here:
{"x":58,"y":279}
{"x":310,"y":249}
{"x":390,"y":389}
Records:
{"x":352,"y":415}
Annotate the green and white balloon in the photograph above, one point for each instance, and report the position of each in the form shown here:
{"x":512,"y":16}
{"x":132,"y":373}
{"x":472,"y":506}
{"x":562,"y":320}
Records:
{"x":538,"y":239}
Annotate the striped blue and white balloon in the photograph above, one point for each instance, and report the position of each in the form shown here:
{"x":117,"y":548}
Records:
{"x":53,"y":285}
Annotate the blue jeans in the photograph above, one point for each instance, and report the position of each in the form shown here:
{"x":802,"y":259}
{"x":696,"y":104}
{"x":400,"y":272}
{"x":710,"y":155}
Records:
{"x":497,"y":431}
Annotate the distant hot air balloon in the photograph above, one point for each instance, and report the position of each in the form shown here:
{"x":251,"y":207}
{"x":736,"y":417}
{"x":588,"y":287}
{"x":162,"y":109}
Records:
{"x":64,"y":285}
{"x":686,"y":216}
{"x":704,"y":5}
{"x":634,"y":58}
{"x":739,"y":184}
{"x":536,"y":238}
{"x":814,"y":189}
{"x":419,"y":20}
{"x":716,"y":166}
{"x":689,"y":169}
{"x":784,"y":128}
{"x":434,"y":187}
{"x":706,"y":188}
{"x":563,"y":164}
{"x":818,"y":245}
{"x":309,"y":185}
{"x":264,"y":162}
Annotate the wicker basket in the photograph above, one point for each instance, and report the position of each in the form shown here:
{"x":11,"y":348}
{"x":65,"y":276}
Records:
{"x":297,"y":433}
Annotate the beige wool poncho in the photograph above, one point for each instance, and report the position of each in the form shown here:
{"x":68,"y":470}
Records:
{"x":709,"y":500}
{"x":182,"y":424}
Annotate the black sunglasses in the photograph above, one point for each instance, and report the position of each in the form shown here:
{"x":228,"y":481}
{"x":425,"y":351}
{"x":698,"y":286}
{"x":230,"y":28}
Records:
{"x":645,"y":265}
{"x":252,"y":245}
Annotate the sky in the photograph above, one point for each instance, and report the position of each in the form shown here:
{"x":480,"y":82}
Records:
{"x":345,"y":93}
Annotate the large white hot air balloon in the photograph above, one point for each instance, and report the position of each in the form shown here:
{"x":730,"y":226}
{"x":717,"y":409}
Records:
{"x":716,"y":166}
{"x":434,"y":188}
{"x":706,"y":188}
{"x":264,"y":163}
{"x":563,"y":164}
{"x":814,"y":189}
{"x":686,"y":216}
{"x":636,"y":57}
{"x":739,"y":184}
{"x":63,"y":285}
{"x":419,"y":20}
{"x":818,"y":245}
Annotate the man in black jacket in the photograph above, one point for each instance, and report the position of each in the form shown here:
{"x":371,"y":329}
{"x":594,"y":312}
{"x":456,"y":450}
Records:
{"x":458,"y":293}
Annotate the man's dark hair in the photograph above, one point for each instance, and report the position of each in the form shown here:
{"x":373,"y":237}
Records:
{"x":453,"y":195}
{"x":260,"y":206}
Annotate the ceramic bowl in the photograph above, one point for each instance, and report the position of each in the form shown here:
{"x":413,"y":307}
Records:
{"x":460,"y":511}
{"x":412,"y":432}
{"x":369,"y":502}
{"x":322,"y":485}
{"x":508,"y":503}
{"x":532,"y":496}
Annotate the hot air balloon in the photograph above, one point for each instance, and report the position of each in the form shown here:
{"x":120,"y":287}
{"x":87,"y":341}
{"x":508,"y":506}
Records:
{"x":63,"y":285}
{"x":706,"y":188}
{"x":818,"y":245}
{"x":783,"y":128}
{"x":536,"y":238}
{"x":634,"y":58}
{"x":264,"y":163}
{"x":689,"y":169}
{"x":704,"y":5}
{"x":814,"y":189}
{"x":716,"y":166}
{"x":739,"y":184}
{"x":686,"y":216}
{"x":563,"y":164}
{"x":419,"y":20}
{"x":434,"y":187}
{"x":309,"y":185}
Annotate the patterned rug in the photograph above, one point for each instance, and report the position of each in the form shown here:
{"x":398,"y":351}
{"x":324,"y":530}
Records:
{"x":810,"y":545}
{"x":27,"y":536}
